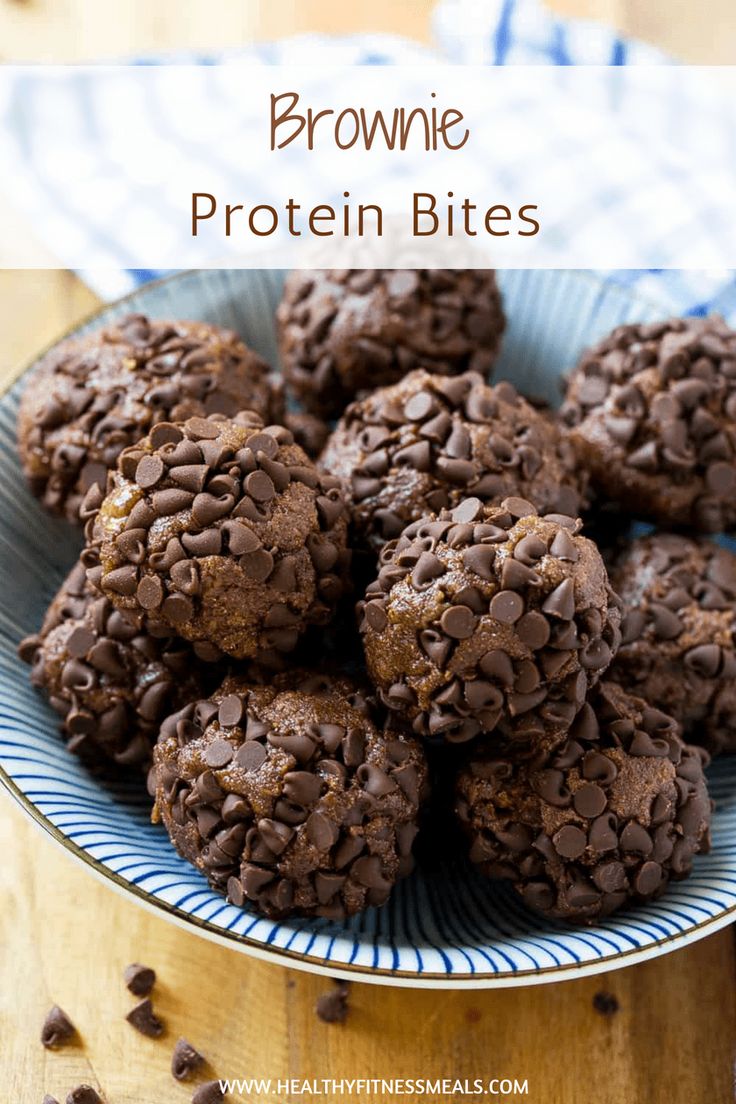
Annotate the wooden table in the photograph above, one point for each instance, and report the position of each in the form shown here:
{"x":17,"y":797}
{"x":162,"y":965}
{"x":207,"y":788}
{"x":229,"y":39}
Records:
{"x":65,"y":938}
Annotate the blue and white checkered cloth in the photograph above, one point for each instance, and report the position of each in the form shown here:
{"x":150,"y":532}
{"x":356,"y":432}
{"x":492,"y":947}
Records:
{"x":497,"y":32}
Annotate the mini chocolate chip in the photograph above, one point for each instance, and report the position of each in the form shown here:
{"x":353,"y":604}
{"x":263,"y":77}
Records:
{"x":260,"y":486}
{"x":257,"y":565}
{"x":533,"y":630}
{"x":420,"y":406}
{"x":230,"y":711}
{"x":149,"y":471}
{"x":636,"y":838}
{"x":375,"y":616}
{"x":57,"y":1029}
{"x":648,"y":879}
{"x":667,"y":625}
{"x":80,"y":641}
{"x":480,"y":559}
{"x":240,"y":538}
{"x":251,"y":756}
{"x":143,"y":1019}
{"x":570,"y":842}
{"x":517,"y":576}
{"x":589,"y":800}
{"x":458,"y":622}
{"x":185,"y":1060}
{"x":208,"y":1093}
{"x":704,"y":660}
{"x":218,"y":754}
{"x":84,"y":1094}
{"x":467,"y":510}
{"x":140,"y":980}
{"x":170,"y":501}
{"x":561,"y":601}
{"x":605,"y":1003}
{"x":150,"y":592}
{"x":121,"y":580}
{"x":332,"y":1007}
{"x":177,"y":608}
{"x":506,"y":606}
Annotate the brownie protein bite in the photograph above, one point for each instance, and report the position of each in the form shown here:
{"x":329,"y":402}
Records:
{"x":652,"y":412}
{"x":290,"y":796}
{"x":613,"y":815}
{"x":488,"y":616}
{"x":428,"y":442}
{"x":111,"y":681}
{"x":679,"y":633}
{"x":344,"y":331}
{"x":224,"y":532}
{"x":92,"y":396}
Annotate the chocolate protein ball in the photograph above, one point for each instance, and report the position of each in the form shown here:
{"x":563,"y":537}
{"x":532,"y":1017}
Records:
{"x":610,"y":817}
{"x":652,"y":411}
{"x":223,"y":532}
{"x":344,"y":331}
{"x":290,"y":796}
{"x":430,"y":441}
{"x":488,"y":617}
{"x":679,"y":633}
{"x":111,"y":682}
{"x":94,"y":395}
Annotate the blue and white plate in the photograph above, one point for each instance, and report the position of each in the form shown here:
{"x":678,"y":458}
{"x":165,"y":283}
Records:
{"x":444,"y":926}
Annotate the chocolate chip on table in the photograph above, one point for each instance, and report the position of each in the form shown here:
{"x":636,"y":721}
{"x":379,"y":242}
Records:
{"x":139,"y":979}
{"x":50,"y":1099}
{"x":84,"y":1094}
{"x":145,"y":1020}
{"x":208,"y":1093}
{"x":57,"y":1029}
{"x":185,"y":1060}
{"x":332,"y":1006}
{"x":605,"y":1003}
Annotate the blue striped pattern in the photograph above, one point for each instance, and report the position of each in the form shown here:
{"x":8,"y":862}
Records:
{"x":445,"y":924}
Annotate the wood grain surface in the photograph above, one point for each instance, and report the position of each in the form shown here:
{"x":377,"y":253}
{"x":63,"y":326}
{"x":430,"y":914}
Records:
{"x":65,"y":938}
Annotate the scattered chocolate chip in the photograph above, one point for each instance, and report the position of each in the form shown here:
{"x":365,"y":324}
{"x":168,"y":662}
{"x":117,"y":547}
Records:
{"x":144,"y":1019}
{"x":58,"y":1029}
{"x":185,"y":1060}
{"x":332,"y":1006}
{"x":140,"y":980}
{"x":84,"y":1094}
{"x":208,"y":1093}
{"x":605,"y":1003}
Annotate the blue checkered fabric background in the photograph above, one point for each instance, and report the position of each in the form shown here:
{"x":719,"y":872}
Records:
{"x":497,"y":32}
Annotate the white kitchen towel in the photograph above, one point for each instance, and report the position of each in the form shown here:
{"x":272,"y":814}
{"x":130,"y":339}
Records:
{"x":498,"y":32}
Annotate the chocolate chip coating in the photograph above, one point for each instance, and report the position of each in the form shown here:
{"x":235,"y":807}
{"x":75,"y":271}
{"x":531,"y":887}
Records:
{"x":315,"y":811}
{"x":608,"y":818}
{"x":345,"y":331}
{"x":679,"y":633}
{"x":94,"y":395}
{"x":238,"y":545}
{"x":488,"y":618}
{"x":429,"y":442}
{"x":652,"y":412}
{"x":111,"y":682}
